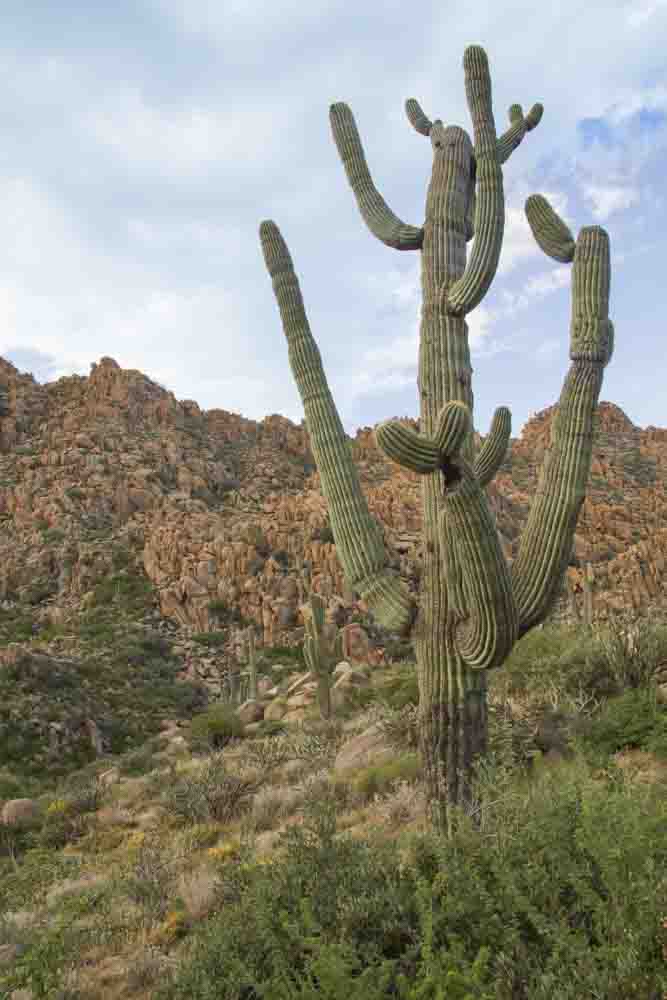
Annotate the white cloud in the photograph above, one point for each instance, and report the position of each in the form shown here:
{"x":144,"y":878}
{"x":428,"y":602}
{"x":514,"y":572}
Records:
{"x":636,"y":14}
{"x":243,"y":21}
{"x":607,"y":200}
{"x":628,"y":102}
{"x":187,"y":138}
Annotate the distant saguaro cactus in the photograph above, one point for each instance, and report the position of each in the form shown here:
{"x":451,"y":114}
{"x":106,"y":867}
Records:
{"x":472,"y":607}
{"x":251,"y":662}
{"x":321,"y":652}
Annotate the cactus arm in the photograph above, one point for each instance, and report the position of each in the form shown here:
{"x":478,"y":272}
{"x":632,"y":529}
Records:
{"x":377,"y":215}
{"x":493,"y":451}
{"x":417,"y":118}
{"x":478,"y":578}
{"x":546,"y":543}
{"x":407,"y":447}
{"x":510,"y":139}
{"x":489,"y":221}
{"x":358,"y":537}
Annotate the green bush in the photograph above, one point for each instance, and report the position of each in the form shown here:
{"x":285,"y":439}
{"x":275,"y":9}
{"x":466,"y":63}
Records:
{"x":53,"y":536}
{"x":219,"y":608}
{"x":215,"y":728}
{"x":286,"y":655}
{"x":633,"y":720}
{"x":556,"y":897}
{"x":397,"y":692}
{"x":271,"y":727}
{"x":125,"y":589}
{"x":214,"y":640}
{"x":379,"y":779}
{"x":398,"y":650}
{"x":11,"y":788}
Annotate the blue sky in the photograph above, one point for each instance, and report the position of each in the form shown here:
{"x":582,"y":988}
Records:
{"x":144,"y":141}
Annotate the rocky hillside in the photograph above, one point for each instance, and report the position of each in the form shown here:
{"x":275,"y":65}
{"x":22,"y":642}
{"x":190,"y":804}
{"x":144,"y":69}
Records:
{"x":226,"y":518}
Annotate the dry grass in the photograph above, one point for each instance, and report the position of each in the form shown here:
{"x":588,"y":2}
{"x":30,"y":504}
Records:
{"x":404,"y":805}
{"x":71,"y":886}
{"x":198,"y":891}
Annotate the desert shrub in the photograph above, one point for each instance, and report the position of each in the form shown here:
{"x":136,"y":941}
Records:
{"x":397,"y":650}
{"x":140,"y":761}
{"x":11,"y":788}
{"x":564,"y":875}
{"x":401,"y":726}
{"x":271,"y":655}
{"x":218,"y":608}
{"x":149,"y":967}
{"x":212,"y":793}
{"x":61,"y":826}
{"x":215,"y":728}
{"x":129,"y":590}
{"x":53,"y":536}
{"x":406,"y":801}
{"x":397,"y":692}
{"x":148,"y":878}
{"x":271,"y":804}
{"x":632,"y":658}
{"x":256,"y":565}
{"x":139,"y":649}
{"x":271,"y":727}
{"x":633,"y":720}
{"x":323,"y":534}
{"x":212,"y":639}
{"x":379,"y":779}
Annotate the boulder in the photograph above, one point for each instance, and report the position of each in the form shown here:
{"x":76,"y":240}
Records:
{"x":19,"y":812}
{"x":276,"y":710}
{"x":109,"y":777}
{"x":250,"y":711}
{"x":306,"y":696}
{"x":364,"y":749}
{"x":296,"y":685}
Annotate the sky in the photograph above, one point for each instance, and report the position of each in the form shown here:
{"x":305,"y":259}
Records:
{"x":142,"y":143}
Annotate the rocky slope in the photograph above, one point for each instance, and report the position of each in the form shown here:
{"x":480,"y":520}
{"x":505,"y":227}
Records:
{"x":226,"y":516}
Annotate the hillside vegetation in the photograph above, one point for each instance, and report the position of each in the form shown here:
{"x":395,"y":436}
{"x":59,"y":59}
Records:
{"x":293,"y":861}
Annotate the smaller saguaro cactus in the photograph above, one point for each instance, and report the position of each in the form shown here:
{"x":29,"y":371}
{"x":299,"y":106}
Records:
{"x":251,"y":662}
{"x":321,"y":652}
{"x":589,"y":586}
{"x":572,"y":601}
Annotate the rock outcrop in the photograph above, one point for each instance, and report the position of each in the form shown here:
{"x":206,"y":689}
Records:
{"x":226,"y":517}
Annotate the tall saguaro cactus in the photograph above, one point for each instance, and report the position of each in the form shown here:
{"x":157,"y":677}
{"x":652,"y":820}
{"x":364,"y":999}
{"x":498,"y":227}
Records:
{"x":472,"y":606}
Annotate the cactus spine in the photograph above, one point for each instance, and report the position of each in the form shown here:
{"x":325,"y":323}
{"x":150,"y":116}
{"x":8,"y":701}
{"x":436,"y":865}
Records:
{"x":321,"y":652}
{"x":472,"y":606}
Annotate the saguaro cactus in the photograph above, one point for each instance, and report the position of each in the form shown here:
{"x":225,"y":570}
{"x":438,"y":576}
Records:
{"x":321,"y":652}
{"x":251,"y":662}
{"x":471,"y":607}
